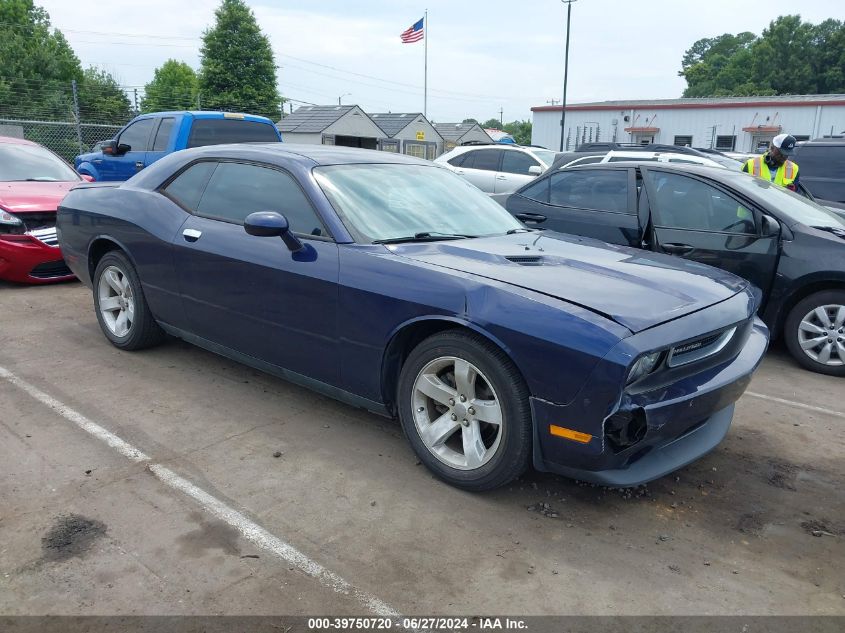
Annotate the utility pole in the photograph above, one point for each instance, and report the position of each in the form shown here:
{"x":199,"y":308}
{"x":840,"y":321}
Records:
{"x":553,"y":101}
{"x":568,"y":4}
{"x":76,"y":113}
{"x":502,"y":116}
{"x":135,"y":91}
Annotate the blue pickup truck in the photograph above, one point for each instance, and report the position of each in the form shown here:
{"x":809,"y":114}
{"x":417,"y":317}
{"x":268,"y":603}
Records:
{"x":148,"y":137}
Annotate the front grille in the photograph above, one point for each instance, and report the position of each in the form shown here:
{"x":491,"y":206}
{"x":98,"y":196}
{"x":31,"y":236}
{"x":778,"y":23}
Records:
{"x":38,"y":220}
{"x":48,"y":270}
{"x":698,"y":349}
{"x":48,"y":236}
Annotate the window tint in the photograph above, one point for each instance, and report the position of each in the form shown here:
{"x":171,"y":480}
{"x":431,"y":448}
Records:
{"x":458,"y":160}
{"x":188,"y":186}
{"x":487,"y":159}
{"x":605,"y":189}
{"x":518,"y":163}
{"x":235,"y":190}
{"x":163,"y":134}
{"x":537,"y":190}
{"x":137,"y":135}
{"x":687,"y":203}
{"x":218,"y":131}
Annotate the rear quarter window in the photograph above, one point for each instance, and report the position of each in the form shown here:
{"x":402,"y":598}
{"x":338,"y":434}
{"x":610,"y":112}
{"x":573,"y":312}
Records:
{"x":221,"y":131}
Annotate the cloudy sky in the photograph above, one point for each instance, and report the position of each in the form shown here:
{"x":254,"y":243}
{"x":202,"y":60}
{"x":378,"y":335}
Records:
{"x":483,"y":54}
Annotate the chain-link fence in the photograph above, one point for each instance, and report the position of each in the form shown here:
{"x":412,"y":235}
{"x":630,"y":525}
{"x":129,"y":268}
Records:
{"x":65,"y":138}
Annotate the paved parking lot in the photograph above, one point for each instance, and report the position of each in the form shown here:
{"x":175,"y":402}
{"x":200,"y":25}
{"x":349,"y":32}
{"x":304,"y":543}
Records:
{"x":192,"y":513}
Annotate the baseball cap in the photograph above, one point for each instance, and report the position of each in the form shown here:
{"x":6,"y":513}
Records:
{"x":785,"y":143}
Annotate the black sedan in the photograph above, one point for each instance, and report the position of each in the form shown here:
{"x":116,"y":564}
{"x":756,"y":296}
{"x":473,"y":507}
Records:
{"x":791,"y":248}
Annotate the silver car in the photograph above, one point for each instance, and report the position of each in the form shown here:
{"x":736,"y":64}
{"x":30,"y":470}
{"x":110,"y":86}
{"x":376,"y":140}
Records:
{"x":497,"y":168}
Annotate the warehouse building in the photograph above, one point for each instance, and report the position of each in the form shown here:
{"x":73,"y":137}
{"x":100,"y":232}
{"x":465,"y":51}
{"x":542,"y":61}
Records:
{"x":455,"y":134}
{"x":409,"y":133}
{"x":742,"y":124}
{"x":346,"y":125}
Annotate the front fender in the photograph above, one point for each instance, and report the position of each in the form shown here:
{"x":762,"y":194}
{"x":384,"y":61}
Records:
{"x":86,"y":167}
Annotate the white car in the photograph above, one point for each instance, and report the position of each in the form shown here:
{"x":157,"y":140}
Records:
{"x":638,"y":156}
{"x":497,"y":168}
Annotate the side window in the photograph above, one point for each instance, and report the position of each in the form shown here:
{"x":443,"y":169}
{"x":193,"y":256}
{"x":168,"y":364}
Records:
{"x":537,"y":190}
{"x":163,"y":135}
{"x":604,"y":190}
{"x":137,"y":135}
{"x":514,"y":162}
{"x":458,"y":160}
{"x":236,"y":189}
{"x":686,"y":203}
{"x":187,"y":187}
{"x":587,"y":160}
{"x":486,"y":159}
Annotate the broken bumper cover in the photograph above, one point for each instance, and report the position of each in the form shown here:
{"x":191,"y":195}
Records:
{"x":679,"y":429}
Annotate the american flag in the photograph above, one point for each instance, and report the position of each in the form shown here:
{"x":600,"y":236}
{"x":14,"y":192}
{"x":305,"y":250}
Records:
{"x":414,"y":34}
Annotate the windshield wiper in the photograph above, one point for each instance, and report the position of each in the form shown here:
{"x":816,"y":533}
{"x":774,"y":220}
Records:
{"x":426,"y":236}
{"x":831,"y":229}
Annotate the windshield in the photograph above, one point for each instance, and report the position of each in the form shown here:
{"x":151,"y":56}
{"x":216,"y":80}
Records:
{"x":32,"y":162}
{"x":793,"y":206}
{"x":725,"y":161}
{"x":545,"y":155}
{"x":386,"y":202}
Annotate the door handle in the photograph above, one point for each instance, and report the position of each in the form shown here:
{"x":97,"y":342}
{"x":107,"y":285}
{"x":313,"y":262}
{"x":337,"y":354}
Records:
{"x":530,"y":217}
{"x":678,"y":249}
{"x":501,"y":177}
{"x":139,"y":164}
{"x":191,"y":235}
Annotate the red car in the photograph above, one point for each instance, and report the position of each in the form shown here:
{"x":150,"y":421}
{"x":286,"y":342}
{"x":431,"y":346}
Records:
{"x":33,"y":181}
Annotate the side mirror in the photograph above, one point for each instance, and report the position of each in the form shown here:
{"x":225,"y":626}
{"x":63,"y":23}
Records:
{"x":272,"y":224}
{"x":535,"y":170}
{"x":109,"y":148}
{"x":770,"y":226}
{"x":122,"y":148}
{"x":87,"y":177}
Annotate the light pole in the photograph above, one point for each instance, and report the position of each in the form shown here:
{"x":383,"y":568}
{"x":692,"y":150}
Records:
{"x":346,"y":94}
{"x":568,"y":4}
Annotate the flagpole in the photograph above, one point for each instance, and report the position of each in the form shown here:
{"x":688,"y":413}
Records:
{"x":425,"y":74}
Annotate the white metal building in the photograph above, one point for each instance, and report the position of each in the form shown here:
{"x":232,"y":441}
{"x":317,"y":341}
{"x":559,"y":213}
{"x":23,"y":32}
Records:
{"x":742,"y":124}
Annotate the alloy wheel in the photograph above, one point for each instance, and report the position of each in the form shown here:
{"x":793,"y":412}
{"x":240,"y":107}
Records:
{"x":115,"y":300}
{"x":821,"y":335}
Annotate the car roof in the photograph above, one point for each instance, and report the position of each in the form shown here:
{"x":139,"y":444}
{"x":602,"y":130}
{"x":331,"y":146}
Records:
{"x":13,"y":140}
{"x":315,"y":154}
{"x":208,"y":114}
{"x":702,"y":170}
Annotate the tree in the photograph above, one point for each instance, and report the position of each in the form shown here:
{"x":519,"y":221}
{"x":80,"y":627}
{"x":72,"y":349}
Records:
{"x":520,"y":131}
{"x":174,"y":87}
{"x":238,"y":68}
{"x":492,"y":124}
{"x":101,"y":99}
{"x":36,"y":63}
{"x":469,"y":121}
{"x":789,"y":57}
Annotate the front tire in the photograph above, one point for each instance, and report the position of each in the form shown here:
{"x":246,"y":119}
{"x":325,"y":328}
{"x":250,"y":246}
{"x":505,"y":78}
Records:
{"x":464,"y":408}
{"x":815,"y":332}
{"x":121,"y":308}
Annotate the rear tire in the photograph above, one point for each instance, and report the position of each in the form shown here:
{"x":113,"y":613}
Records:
{"x":122,"y":311}
{"x":815,"y":332}
{"x":464,"y":408}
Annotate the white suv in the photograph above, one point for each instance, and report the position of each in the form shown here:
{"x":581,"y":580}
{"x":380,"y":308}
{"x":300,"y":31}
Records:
{"x":639,"y":156}
{"x":497,"y":168}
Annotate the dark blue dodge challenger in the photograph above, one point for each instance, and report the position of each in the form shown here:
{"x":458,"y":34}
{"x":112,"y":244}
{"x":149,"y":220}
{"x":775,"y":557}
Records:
{"x":398,"y":287}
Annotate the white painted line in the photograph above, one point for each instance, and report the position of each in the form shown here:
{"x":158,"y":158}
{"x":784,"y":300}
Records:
{"x":122,"y":447}
{"x":797,"y":405}
{"x":247,"y":528}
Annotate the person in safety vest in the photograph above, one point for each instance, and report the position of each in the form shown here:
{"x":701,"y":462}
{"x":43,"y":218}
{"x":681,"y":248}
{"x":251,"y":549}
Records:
{"x":774,"y":165}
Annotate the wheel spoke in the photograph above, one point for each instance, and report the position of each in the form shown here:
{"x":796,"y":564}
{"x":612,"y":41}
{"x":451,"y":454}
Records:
{"x":114,"y":281}
{"x":824,"y":355}
{"x":487,"y":411}
{"x":436,"y":389}
{"x":840,"y":350}
{"x":806,"y":326}
{"x":110,"y":303}
{"x":465,"y":376}
{"x":811,"y":343}
{"x":130,"y":311}
{"x":839,"y":321}
{"x":821,"y":315}
{"x":474,"y":449}
{"x":120,"y":324}
{"x":436,"y":433}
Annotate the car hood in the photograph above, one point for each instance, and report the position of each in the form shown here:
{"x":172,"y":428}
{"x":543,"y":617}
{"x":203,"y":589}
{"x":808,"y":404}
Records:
{"x":20,"y":197}
{"x":634,"y":288}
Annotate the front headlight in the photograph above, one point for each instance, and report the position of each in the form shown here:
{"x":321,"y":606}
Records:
{"x":643,"y":366}
{"x":9,"y":219}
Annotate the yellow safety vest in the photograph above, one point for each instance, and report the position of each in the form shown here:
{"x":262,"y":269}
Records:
{"x":785,"y":175}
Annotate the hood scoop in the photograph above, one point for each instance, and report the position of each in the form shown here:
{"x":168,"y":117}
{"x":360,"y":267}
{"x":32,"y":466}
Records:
{"x":525,"y":260}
